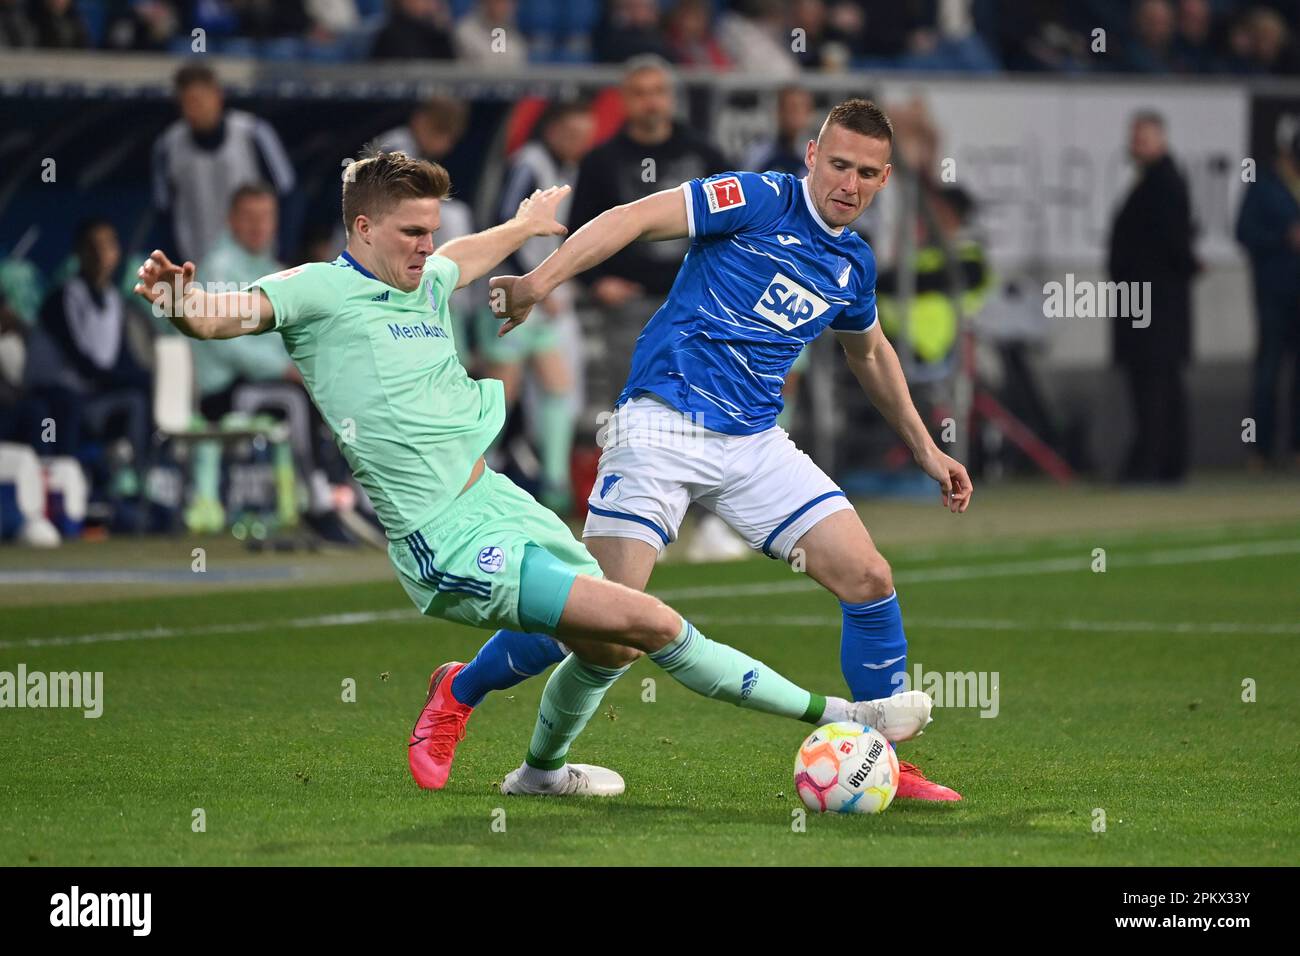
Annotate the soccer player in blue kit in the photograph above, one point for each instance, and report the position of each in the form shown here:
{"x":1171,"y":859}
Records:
{"x":771,"y":265}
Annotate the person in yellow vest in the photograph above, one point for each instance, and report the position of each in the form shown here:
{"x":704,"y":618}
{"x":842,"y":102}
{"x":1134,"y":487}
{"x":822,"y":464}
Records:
{"x":933,"y":313}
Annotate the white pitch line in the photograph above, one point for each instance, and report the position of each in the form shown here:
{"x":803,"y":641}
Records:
{"x":1227,"y":552}
{"x":1115,"y":561}
{"x":161,"y":633}
{"x":955,"y":624}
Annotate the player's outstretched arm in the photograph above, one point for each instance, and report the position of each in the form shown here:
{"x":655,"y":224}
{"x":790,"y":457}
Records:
{"x":654,"y":218}
{"x":478,"y":254}
{"x":172,"y":292}
{"x":875,"y":365}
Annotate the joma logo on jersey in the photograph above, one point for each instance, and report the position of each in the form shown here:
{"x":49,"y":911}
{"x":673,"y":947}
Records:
{"x":789,"y":304}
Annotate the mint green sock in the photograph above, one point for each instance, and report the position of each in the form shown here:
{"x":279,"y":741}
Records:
{"x":722,"y":672}
{"x":555,"y":438}
{"x":573,"y":692}
{"x":207,"y":471}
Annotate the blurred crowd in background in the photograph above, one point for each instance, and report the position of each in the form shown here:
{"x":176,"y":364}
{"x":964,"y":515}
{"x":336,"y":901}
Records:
{"x":98,"y":405}
{"x":1140,"y":36}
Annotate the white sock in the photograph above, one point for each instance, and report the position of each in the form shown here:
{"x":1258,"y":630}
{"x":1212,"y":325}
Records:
{"x":837,"y":709}
{"x":542,"y":779}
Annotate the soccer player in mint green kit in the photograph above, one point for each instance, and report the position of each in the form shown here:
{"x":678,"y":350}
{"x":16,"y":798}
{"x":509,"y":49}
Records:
{"x":371,"y":334}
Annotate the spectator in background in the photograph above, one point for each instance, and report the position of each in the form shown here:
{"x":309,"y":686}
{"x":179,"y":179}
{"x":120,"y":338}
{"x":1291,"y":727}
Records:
{"x":817,"y":46}
{"x":1193,"y":50}
{"x":59,"y":25}
{"x":476,"y":40}
{"x":630,"y":28}
{"x":1269,"y":227}
{"x":329,"y":18}
{"x":200,"y":160}
{"x":432,"y":132}
{"x":755,"y":38}
{"x":691,"y":39}
{"x":1272,"y":48}
{"x":1151,"y":241}
{"x":554,"y":349}
{"x":141,"y":24}
{"x":415,"y":30}
{"x":16,"y":28}
{"x":1151,"y":50}
{"x":651,"y":152}
{"x":785,"y":152}
{"x":81,"y":369}
{"x":252,"y":374}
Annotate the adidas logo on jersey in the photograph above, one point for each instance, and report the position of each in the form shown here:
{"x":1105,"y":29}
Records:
{"x":789,"y":304}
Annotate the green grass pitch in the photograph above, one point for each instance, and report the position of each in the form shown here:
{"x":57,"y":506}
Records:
{"x":1119,"y":692}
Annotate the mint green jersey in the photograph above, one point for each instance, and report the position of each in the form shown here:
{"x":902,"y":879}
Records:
{"x":381,"y":366}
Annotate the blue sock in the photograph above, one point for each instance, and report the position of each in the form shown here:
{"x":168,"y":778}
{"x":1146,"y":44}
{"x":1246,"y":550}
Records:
{"x":508,"y":658}
{"x":873,"y":648}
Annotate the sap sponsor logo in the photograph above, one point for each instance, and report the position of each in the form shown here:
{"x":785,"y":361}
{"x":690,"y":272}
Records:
{"x":75,"y":908}
{"x":80,"y":690}
{"x":421,"y":331}
{"x":789,"y":304}
{"x":724,"y":193}
{"x":491,"y":559}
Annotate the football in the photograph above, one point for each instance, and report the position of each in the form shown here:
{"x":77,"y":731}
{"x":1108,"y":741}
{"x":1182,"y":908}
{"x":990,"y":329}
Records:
{"x":846,"y":768}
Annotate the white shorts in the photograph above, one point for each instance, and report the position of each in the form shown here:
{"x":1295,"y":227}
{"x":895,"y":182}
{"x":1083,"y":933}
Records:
{"x":657,"y":460}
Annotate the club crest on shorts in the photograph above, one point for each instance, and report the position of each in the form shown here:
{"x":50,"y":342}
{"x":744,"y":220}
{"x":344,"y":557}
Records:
{"x":609,"y":489}
{"x":491,"y":559}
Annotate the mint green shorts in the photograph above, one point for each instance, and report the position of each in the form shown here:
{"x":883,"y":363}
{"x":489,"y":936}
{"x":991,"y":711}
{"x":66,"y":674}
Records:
{"x":494,"y":558}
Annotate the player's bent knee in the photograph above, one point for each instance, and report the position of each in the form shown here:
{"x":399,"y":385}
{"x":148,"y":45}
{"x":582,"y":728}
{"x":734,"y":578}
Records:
{"x":655,"y":625}
{"x":871,"y":580}
{"x":605,"y":655}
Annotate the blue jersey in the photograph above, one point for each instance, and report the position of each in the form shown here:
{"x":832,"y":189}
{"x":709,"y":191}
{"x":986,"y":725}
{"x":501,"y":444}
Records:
{"x":764,"y":275}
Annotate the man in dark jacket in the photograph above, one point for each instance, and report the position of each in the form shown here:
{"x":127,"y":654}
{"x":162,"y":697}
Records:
{"x":1269,"y":228}
{"x":81,"y":369}
{"x":651,"y":152}
{"x":1151,"y":242}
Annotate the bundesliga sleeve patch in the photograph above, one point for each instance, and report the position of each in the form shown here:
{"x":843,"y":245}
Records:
{"x":724,"y":193}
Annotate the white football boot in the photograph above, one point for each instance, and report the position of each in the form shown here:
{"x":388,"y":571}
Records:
{"x":579,"y":780}
{"x":900,"y":717}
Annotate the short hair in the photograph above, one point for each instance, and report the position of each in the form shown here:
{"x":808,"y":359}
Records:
{"x":561,"y":110}
{"x":86,"y":228}
{"x":649,"y":61}
{"x":193,"y":74}
{"x":445,"y":115}
{"x":860,"y":116}
{"x":1148,"y":116}
{"x":374,"y":185}
{"x":251,"y":190}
